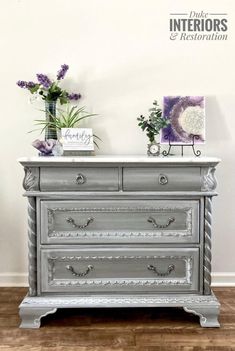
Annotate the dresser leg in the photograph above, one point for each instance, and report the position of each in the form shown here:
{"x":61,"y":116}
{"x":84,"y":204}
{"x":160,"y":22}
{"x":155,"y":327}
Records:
{"x":31,"y":317}
{"x":208,"y":315}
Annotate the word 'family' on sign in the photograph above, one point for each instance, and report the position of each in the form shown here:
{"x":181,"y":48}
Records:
{"x":77,"y":138}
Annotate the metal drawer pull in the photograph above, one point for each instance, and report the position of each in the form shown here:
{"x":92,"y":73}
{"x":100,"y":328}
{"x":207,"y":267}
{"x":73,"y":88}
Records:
{"x":81,"y":274}
{"x":171,"y":268}
{"x":80,"y":179}
{"x":79,"y":226}
{"x":161,"y":226}
{"x":162,"y":179}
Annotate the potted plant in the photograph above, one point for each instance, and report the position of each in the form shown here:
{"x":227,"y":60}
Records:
{"x":50,"y":92}
{"x":71,"y":117}
{"x":152,"y":125}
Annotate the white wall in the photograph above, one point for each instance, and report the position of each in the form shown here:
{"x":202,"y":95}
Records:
{"x":120,"y":59}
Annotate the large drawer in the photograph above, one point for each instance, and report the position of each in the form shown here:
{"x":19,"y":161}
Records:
{"x":161,"y":179}
{"x":84,"y":269}
{"x":78,"y":179}
{"x":127,"y":221}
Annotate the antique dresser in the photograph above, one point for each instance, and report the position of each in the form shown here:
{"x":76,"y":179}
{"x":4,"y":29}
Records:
{"x":119,"y":231}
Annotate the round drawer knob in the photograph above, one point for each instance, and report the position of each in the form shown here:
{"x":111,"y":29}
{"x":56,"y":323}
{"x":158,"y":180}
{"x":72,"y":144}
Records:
{"x":80,"y":179}
{"x":162,"y":179}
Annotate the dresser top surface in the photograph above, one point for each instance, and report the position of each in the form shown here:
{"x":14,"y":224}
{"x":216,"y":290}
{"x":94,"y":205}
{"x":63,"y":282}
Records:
{"x":121,"y":159}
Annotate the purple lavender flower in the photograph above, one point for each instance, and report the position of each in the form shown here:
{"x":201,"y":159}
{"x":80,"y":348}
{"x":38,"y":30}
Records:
{"x":22,"y":84}
{"x":44,"y":80}
{"x":31,"y":85}
{"x":74,"y":96}
{"x":61,"y":73}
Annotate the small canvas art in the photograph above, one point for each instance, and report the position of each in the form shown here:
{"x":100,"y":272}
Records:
{"x":186,"y":116}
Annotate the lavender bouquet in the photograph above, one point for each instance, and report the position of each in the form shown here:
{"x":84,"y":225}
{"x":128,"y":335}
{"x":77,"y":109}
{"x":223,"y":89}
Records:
{"x":49,"y":90}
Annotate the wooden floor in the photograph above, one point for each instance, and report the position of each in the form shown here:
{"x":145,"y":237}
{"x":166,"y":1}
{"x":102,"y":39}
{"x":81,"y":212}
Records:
{"x":163,"y":329}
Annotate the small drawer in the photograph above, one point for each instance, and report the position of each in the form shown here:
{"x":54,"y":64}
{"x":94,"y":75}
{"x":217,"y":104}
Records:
{"x":161,"y":179}
{"x":78,"y":179}
{"x":119,"y":221}
{"x":86,"y":269}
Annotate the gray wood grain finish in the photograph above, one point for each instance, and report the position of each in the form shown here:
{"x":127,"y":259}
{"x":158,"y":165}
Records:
{"x":163,"y":221}
{"x":31,"y":316}
{"x":161,"y":179}
{"x":206,"y":307}
{"x":110,"y":232}
{"x":119,"y":269}
{"x":208,"y":315}
{"x":79,"y":179}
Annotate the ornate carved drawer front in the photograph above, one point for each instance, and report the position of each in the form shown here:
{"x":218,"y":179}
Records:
{"x":123,"y":269}
{"x":78,"y":179}
{"x":97,"y":221}
{"x":162,"y":179}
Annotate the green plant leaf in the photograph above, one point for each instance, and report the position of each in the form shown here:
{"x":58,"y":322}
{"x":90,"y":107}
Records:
{"x":96,"y":136}
{"x":96,"y":144}
{"x":63,"y":100}
{"x":34,"y":89}
{"x":68,"y":118}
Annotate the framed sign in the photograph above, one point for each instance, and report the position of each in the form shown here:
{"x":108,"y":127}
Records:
{"x":77,"y":139}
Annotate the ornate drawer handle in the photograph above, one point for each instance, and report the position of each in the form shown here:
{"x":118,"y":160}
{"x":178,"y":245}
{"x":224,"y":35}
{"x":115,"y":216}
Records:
{"x":79,"y":226}
{"x":162,"y":179}
{"x":161,"y":226}
{"x":171,"y":268}
{"x":80,"y":179}
{"x":80,"y":274}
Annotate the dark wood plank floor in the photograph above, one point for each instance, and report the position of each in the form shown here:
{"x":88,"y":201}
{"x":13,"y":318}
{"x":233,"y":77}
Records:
{"x":162,"y":329}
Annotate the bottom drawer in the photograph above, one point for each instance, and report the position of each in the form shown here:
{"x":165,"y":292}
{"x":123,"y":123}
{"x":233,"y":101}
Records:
{"x":83,"y":269}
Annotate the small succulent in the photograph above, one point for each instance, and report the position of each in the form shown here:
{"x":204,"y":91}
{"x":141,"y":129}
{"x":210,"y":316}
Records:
{"x":48,"y":89}
{"x":154,"y":123}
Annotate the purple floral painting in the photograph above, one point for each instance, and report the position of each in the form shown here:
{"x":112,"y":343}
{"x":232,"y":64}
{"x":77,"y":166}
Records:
{"x":186,"y":116}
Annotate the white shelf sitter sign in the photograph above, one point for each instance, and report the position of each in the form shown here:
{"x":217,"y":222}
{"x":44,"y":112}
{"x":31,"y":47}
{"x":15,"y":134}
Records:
{"x":77,"y":139}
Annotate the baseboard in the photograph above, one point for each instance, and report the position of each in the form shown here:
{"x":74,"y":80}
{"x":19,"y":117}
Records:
{"x":223,"y":279}
{"x":226,"y":279}
{"x":13,"y":279}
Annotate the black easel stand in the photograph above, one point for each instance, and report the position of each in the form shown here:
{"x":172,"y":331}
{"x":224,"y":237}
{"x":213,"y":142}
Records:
{"x":192,"y":144}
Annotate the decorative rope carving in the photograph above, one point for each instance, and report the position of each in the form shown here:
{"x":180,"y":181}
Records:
{"x":207,"y":246}
{"x":121,"y":300}
{"x":32,"y":257}
{"x":121,"y":282}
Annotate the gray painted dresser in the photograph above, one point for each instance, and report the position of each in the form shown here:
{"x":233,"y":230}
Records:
{"x":122,"y":231}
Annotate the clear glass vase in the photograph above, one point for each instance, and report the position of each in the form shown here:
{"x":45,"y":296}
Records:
{"x":50,"y":108}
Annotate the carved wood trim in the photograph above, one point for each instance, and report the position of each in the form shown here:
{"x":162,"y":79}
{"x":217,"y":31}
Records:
{"x":207,"y":245}
{"x":209,"y":182}
{"x":32,"y":252}
{"x":121,"y":300}
{"x":54,"y":281}
{"x":31,"y":178}
{"x":120,"y":282}
{"x":120,"y":234}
